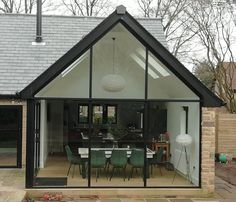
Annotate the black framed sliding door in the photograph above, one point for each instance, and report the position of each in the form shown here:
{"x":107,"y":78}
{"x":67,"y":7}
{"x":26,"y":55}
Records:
{"x":37,"y":137}
{"x":10,"y":136}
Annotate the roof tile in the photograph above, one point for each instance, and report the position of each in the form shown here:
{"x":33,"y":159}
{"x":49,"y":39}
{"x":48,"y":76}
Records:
{"x":21,"y":62}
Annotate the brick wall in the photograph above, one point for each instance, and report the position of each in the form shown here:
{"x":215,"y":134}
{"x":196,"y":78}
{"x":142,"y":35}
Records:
{"x":23,"y":104}
{"x":208,"y":150}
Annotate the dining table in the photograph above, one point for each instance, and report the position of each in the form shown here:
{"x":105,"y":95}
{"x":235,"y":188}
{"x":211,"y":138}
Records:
{"x":84,"y":154}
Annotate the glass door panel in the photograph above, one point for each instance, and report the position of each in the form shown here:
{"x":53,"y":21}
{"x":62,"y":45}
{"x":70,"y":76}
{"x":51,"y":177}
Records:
{"x":173,"y":164}
{"x":62,"y":155}
{"x":116,"y":145}
{"x":10,"y":136}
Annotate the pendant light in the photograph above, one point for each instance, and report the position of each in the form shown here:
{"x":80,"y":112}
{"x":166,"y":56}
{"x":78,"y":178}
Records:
{"x":113,"y":82}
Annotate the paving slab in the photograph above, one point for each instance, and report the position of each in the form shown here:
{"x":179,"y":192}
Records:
{"x":157,"y":200}
{"x":12,"y":188}
{"x":132,"y":200}
{"x":205,"y":200}
{"x":181,"y":200}
{"x":110,"y":200}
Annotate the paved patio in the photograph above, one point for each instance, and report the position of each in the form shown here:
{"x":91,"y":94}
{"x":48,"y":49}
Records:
{"x":12,"y":190}
{"x":12,"y":185}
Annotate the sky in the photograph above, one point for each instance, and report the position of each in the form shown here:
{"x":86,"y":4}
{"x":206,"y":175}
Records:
{"x":131,"y":5}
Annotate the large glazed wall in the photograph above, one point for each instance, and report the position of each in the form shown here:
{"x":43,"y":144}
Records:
{"x":23,"y":104}
{"x":126,"y":57}
{"x":176,"y":126}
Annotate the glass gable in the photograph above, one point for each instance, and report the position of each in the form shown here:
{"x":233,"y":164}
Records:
{"x":118,"y":72}
{"x":118,"y":129}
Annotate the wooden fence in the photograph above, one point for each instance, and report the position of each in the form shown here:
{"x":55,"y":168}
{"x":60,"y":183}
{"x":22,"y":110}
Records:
{"x":226,"y":133}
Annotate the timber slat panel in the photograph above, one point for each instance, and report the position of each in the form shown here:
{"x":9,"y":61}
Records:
{"x":226,"y":133}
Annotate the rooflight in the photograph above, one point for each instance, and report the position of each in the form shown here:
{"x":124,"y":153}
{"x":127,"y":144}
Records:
{"x":155,"y":64}
{"x":142,"y":64}
{"x":73,"y":65}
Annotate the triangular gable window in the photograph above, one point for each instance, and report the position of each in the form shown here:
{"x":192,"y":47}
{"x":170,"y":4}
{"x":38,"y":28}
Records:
{"x":126,"y":57}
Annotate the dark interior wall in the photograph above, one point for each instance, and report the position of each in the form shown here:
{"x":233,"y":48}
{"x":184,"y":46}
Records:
{"x":73,"y":114}
{"x":157,"y":123}
{"x":157,"y":120}
{"x":129,"y":114}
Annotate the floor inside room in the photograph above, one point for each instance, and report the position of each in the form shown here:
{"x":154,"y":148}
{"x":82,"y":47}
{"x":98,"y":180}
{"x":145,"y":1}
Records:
{"x":57,"y":166}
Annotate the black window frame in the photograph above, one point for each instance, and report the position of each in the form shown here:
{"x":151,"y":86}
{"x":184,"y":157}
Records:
{"x":79,"y":119}
{"x":105,"y":112}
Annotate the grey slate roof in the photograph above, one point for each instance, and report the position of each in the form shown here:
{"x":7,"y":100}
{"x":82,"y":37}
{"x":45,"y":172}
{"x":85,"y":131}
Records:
{"x":21,"y":62}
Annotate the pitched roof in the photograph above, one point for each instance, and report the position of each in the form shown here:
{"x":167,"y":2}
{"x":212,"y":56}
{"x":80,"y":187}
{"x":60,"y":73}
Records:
{"x":207,"y":98}
{"x":21,"y":62}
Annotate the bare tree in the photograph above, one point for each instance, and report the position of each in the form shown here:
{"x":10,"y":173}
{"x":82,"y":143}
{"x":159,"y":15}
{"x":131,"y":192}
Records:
{"x":10,"y":6}
{"x":87,"y":7}
{"x":214,"y":25}
{"x":174,"y":22}
{"x":24,"y":6}
{"x":203,"y":31}
{"x":203,"y":72}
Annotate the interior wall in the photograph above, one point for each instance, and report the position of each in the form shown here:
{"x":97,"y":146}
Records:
{"x":43,"y":133}
{"x":176,"y":126}
{"x":55,"y":126}
{"x":73,"y":114}
{"x":127,"y":113}
{"x":74,"y":84}
{"x":169,"y":87}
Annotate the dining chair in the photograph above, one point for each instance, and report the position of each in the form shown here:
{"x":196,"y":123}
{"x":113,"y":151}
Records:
{"x":118,"y":161}
{"x":98,"y":161}
{"x":157,"y":159}
{"x":136,"y":160}
{"x":73,"y":160}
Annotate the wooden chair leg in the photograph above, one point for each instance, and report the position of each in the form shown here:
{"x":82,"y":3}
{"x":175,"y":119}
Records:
{"x":160,"y":170}
{"x":131,"y":173}
{"x":105,"y":170}
{"x":124,"y":173}
{"x":80,"y":172}
{"x":68,"y":170}
{"x":96,"y":174}
{"x":112,"y":173}
{"x":73,"y":171}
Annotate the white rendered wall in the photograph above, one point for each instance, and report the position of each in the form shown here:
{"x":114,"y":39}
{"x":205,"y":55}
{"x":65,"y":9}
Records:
{"x":55,"y":126}
{"x":43,"y":133}
{"x":176,"y":125}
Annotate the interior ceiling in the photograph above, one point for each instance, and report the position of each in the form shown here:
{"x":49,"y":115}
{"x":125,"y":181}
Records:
{"x":133,"y":53}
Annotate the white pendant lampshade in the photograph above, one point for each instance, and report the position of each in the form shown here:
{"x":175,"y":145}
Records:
{"x":184,"y":139}
{"x":113,"y":83}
